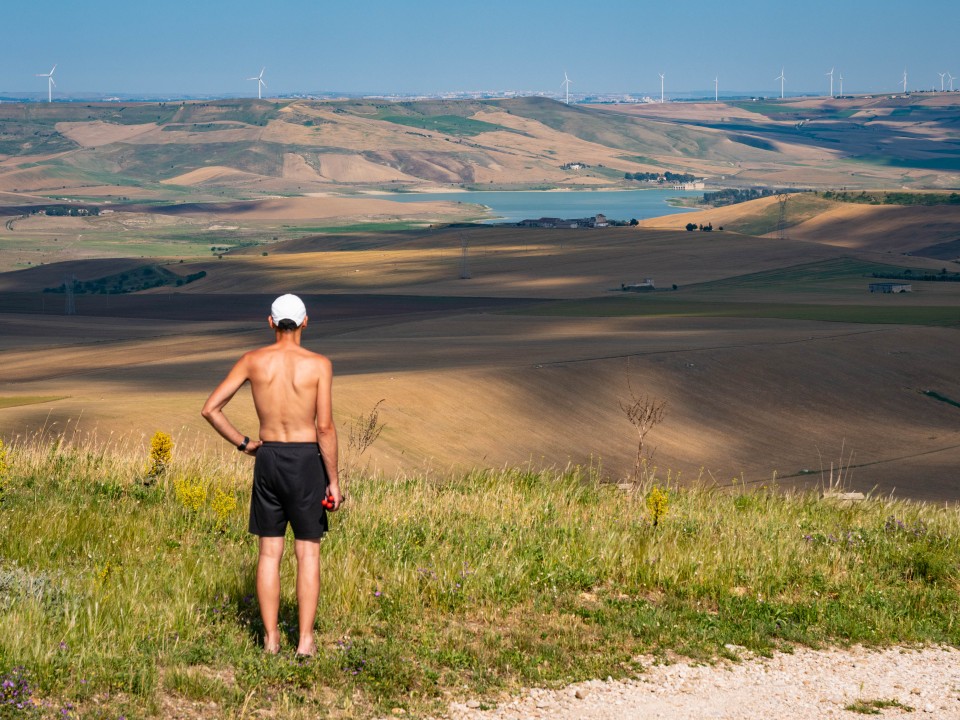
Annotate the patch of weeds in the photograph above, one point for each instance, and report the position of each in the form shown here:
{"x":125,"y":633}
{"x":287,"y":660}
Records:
{"x":223,"y":504}
{"x":109,"y":489}
{"x":4,"y":471}
{"x":161,"y":452}
{"x":899,"y":527}
{"x":847,"y":539}
{"x":932,"y":566}
{"x":190,"y":493}
{"x":377,"y":666}
{"x":199,"y":684}
{"x":873,"y":707}
{"x":16,"y":695}
{"x":289,"y":671}
{"x":18,"y":584}
{"x":147,"y":494}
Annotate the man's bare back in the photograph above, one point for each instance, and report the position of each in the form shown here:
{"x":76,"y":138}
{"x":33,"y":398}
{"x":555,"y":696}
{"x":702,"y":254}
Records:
{"x":286,"y":380}
{"x":291,"y":389}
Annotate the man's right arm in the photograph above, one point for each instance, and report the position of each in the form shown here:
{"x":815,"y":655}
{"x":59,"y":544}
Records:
{"x":213,"y":408}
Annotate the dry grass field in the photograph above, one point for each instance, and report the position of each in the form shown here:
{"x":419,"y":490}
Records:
{"x":771,"y":355}
{"x":526,"y":362}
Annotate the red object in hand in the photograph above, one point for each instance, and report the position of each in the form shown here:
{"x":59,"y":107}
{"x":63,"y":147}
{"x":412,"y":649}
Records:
{"x":328,"y":503}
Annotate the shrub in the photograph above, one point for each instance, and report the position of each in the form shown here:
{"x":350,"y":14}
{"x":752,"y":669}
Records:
{"x":190,"y":493}
{"x":223,"y":505}
{"x":657,"y":504}
{"x":161,"y":451}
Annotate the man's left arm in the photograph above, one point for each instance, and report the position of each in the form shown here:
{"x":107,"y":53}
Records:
{"x":213,"y":408}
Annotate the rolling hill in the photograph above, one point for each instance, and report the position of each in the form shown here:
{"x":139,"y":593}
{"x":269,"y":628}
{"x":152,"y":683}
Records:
{"x":252,"y":148}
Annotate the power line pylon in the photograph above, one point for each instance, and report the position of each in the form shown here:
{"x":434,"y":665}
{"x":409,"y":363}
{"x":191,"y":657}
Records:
{"x":782,"y":218}
{"x":464,"y":259}
{"x":70,"y":306}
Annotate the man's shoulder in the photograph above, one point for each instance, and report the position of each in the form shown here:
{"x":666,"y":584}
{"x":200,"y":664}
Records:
{"x":317,"y":358}
{"x":263,"y":355}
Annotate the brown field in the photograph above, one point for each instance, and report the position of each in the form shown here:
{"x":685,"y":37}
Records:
{"x":472,"y":375}
{"x":873,"y":228}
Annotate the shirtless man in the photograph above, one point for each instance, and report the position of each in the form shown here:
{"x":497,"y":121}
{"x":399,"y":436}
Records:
{"x":296,"y":460}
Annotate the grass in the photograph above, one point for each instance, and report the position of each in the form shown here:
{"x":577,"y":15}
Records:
{"x":943,"y":164}
{"x":800,"y":207}
{"x":811,"y":278}
{"x":389,"y":226}
{"x":203,"y":127}
{"x":446,"y":124}
{"x":766,"y":108}
{"x":873,"y":707}
{"x":120,"y":597}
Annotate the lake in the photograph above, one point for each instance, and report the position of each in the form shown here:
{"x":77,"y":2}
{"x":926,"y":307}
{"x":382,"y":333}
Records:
{"x":514,"y":206}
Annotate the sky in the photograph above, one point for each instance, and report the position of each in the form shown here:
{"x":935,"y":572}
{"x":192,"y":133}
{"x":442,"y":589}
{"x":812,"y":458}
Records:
{"x":201,"y":47}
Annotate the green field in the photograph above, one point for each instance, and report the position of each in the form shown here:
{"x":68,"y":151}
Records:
{"x":359,"y":227}
{"x":800,"y":207}
{"x":806,"y":279}
{"x":945,"y":164}
{"x":202,"y":127}
{"x":121,"y":597}
{"x":446,"y":124}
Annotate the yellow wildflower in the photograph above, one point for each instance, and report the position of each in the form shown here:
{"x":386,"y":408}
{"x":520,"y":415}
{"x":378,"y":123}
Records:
{"x":161,"y":450}
{"x":190,"y":493}
{"x":657,"y":503}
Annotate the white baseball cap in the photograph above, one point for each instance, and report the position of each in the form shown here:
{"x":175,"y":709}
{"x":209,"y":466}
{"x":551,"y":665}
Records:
{"x":288,"y":307}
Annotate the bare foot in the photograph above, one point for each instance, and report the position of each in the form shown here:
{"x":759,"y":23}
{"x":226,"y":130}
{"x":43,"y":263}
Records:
{"x":307,"y":648}
{"x":271,"y":644}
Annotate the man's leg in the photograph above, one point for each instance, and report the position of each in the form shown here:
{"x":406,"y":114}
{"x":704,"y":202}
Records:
{"x":308,"y":592}
{"x":268,"y":590}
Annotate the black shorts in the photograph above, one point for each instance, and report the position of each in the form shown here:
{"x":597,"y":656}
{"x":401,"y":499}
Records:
{"x":289,"y":485}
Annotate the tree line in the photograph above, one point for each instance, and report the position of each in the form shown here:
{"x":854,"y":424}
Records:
{"x":661,"y":177}
{"x":136,"y":280}
{"x":893,"y":198}
{"x":732,"y":196}
{"x":68,"y":210}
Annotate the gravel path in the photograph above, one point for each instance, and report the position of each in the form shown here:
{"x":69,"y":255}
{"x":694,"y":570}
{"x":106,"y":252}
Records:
{"x":803,"y":685}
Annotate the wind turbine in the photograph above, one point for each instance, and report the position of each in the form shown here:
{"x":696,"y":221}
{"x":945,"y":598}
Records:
{"x":661,"y":87}
{"x":904,"y":81}
{"x":942,"y":76}
{"x":831,"y":80}
{"x":261,"y":83}
{"x":951,"y":81}
{"x":566,"y":82}
{"x":50,"y":82}
{"x":841,"y":84}
{"x":716,"y":89}
{"x":780,"y":78}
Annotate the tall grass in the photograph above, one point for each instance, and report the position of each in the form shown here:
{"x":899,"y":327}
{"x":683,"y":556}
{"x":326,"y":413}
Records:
{"x":125,"y":597}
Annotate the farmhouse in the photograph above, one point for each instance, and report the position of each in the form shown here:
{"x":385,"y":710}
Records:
{"x":545,"y":222}
{"x":646,"y":286}
{"x":891,"y":287}
{"x":599,"y":220}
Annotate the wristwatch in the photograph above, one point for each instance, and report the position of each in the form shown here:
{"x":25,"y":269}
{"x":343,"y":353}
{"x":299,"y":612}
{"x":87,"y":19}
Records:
{"x":243,"y":446}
